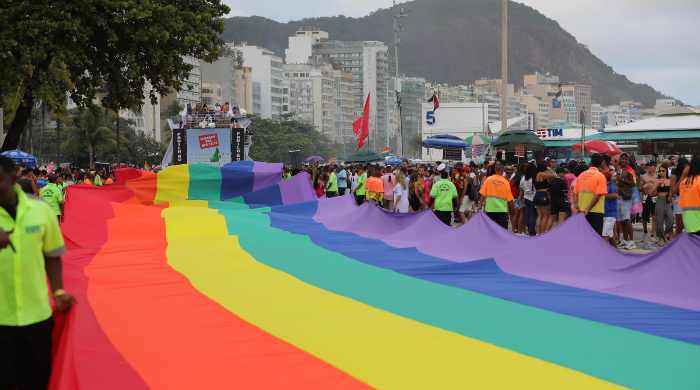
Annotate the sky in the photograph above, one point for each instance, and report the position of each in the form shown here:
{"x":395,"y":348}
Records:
{"x":656,"y":42}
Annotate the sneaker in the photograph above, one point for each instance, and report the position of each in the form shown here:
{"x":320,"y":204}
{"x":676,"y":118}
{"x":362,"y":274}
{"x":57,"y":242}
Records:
{"x":629,"y":245}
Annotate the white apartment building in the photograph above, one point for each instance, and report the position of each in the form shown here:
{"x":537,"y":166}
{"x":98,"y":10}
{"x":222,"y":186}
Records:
{"x":212,"y":94}
{"x":190,"y":91}
{"x":270,"y":90}
{"x":301,"y":44}
{"x":367,"y":63}
{"x":539,"y":108}
{"x":597,"y":116}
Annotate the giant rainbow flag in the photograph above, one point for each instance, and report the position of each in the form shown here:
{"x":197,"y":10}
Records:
{"x":228,"y":278}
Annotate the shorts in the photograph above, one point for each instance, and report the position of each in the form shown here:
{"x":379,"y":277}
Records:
{"x":609,"y":226}
{"x":359,"y":199}
{"x":499,"y":218}
{"x":560,"y":207}
{"x":624,"y":208}
{"x":444,"y":216}
{"x":596,"y":222}
{"x":467,"y":204}
{"x":25,"y":355}
{"x":541,"y":199}
{"x":648,"y":209}
{"x":518,"y":203}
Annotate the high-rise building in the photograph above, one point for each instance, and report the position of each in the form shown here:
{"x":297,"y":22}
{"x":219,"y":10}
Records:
{"x":413,"y":95}
{"x":665,"y":104}
{"x":367,"y":63}
{"x":190,"y":90}
{"x":270,"y":92}
{"x":597,"y":119}
{"x":538,"y":108}
{"x":301,"y":44}
{"x":320,"y":96}
{"x":451,"y":93}
{"x":211,"y":94}
{"x":233,"y":78}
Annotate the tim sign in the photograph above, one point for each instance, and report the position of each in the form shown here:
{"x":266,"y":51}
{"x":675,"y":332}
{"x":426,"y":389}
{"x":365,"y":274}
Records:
{"x":550,"y":133}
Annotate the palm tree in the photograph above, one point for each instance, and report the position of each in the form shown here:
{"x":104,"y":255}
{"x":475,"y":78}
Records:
{"x":90,"y":128}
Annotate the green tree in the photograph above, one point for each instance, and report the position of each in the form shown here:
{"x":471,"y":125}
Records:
{"x":108,"y":47}
{"x":272,"y":141}
{"x":88,"y":132}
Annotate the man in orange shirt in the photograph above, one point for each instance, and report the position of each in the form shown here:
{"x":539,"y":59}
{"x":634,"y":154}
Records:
{"x":589,"y":193}
{"x":497,"y":196}
{"x":375,"y":186}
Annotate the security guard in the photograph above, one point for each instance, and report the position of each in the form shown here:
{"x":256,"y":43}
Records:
{"x":30,"y":248}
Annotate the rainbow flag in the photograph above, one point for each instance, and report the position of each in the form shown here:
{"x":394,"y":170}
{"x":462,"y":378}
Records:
{"x":201,"y":277}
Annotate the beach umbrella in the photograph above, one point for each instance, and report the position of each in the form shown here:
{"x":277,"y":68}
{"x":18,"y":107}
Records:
{"x":444,"y":141}
{"x":313,"y":159}
{"x":511,"y":139}
{"x":365,"y":156}
{"x":21,"y":158}
{"x":598,"y":146}
{"x":393,"y":161}
{"x":477,"y":139}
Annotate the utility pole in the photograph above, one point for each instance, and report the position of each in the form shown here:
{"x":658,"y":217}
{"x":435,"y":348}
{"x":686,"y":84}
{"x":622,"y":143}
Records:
{"x":398,"y":27}
{"x":504,"y":65}
{"x":582,"y":118}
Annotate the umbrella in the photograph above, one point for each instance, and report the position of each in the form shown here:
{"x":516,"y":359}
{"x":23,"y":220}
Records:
{"x":598,"y":146}
{"x":393,"y":161}
{"x":313,"y":159}
{"x":20,"y":157}
{"x":477,"y":139}
{"x":441,"y":142}
{"x":365,"y":156}
{"x":510,"y":139}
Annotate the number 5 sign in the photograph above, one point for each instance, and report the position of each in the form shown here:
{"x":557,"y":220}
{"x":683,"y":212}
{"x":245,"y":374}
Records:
{"x":430,"y":117}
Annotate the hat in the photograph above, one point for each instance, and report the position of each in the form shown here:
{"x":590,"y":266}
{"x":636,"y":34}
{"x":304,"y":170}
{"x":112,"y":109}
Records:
{"x":441,"y":167}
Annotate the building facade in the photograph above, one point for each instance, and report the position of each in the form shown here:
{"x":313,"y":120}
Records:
{"x":270,"y":91}
{"x":300,"y":45}
{"x":413,"y":95}
{"x":367,"y":64}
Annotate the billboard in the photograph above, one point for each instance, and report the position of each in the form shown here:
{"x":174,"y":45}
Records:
{"x":458,"y":119}
{"x":209,"y":146}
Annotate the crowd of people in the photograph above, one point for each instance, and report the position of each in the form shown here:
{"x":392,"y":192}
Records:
{"x":533,"y":197}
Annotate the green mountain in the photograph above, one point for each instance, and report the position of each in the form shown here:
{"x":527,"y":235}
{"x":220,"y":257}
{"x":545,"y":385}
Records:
{"x":458,"y":41}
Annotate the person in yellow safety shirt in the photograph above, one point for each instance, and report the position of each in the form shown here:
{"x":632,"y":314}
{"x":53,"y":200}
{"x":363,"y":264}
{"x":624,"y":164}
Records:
{"x":109,"y":180}
{"x":496,"y":196}
{"x":589,"y":193}
{"x":97,"y":181}
{"x":52,"y":194}
{"x":31,"y":246}
{"x":361,"y":190}
{"x":689,"y":201}
{"x":332,"y":185}
{"x":88,"y":181}
{"x":444,"y":194}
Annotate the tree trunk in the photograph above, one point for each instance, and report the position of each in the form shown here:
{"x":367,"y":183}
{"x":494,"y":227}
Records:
{"x":19,"y":123}
{"x":91,"y":155}
{"x":117,"y":157}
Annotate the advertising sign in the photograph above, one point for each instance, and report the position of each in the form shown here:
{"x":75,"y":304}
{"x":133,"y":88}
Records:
{"x":179,"y":147}
{"x":209,"y":146}
{"x":238,"y":144}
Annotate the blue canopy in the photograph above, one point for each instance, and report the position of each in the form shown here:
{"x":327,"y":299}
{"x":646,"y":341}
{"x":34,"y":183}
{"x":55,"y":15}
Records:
{"x":439,"y":142}
{"x":20,"y":157}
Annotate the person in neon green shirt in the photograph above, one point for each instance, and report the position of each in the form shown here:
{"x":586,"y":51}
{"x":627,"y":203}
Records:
{"x":361,"y":190}
{"x":444,"y":193}
{"x":97,"y":181}
{"x":52,"y":194}
{"x":31,"y":246}
{"x":332,"y":185}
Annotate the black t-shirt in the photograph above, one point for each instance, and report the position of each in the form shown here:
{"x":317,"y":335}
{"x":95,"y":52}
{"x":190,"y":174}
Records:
{"x":558,"y":191}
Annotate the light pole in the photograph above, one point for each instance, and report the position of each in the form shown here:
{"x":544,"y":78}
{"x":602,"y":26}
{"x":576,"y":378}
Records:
{"x":582,"y":119}
{"x":397,"y":38}
{"x":504,"y":65}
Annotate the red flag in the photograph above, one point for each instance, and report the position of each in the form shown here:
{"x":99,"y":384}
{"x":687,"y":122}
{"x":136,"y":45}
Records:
{"x":361,"y":125}
{"x":435,"y":100}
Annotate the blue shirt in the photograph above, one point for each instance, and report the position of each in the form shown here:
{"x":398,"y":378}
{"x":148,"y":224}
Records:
{"x":611,"y":204}
{"x":342,"y":179}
